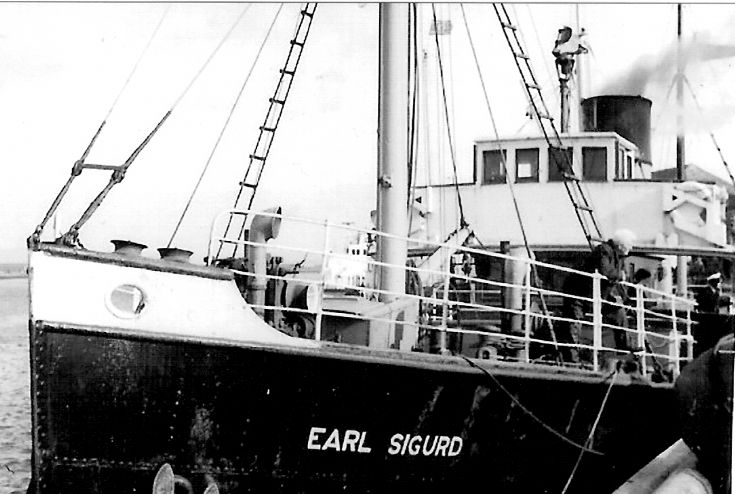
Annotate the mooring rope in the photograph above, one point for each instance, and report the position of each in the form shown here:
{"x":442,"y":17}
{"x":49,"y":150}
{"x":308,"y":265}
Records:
{"x":582,"y":447}
{"x":592,"y":431}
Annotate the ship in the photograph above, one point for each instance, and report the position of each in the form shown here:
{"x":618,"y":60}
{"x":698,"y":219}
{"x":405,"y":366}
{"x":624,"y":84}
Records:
{"x":397,"y":361}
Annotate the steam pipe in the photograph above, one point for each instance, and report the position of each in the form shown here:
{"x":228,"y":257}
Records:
{"x":262,"y":229}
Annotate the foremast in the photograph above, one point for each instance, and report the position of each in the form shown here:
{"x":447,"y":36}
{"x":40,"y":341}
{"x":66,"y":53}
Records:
{"x":392,"y":217}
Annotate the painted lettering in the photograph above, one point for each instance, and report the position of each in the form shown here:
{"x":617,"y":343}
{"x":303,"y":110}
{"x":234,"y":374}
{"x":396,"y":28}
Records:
{"x":362,"y":448}
{"x":355,"y":441}
{"x":314,"y":437}
{"x":405,"y":444}
{"x":429,"y":451}
{"x":414,"y":446}
{"x":455,"y":446}
{"x":395,"y":444}
{"x":332,"y":441}
{"x":441,"y":448}
{"x":350,"y":440}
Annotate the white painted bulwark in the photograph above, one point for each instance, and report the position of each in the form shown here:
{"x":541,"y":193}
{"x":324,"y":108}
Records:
{"x":72,"y":290}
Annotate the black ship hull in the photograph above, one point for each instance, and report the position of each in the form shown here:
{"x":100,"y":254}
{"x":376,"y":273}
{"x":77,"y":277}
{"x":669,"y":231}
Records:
{"x":110,"y":407}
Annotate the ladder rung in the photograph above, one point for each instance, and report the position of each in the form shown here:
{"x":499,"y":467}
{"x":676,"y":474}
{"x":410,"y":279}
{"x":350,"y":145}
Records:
{"x":245,"y":184}
{"x":254,"y":157}
{"x":521,"y":55}
{"x":267,"y":129}
{"x":545,"y":116}
{"x":595,"y":239}
{"x":287,"y":72}
{"x":583,"y":207}
{"x":531,"y":85}
{"x":570,"y":176}
{"x":277,"y":101}
{"x":508,"y":25}
{"x":307,"y":14}
{"x":298,"y":43}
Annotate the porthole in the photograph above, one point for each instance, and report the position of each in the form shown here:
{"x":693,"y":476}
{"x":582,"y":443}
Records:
{"x":126,"y":301}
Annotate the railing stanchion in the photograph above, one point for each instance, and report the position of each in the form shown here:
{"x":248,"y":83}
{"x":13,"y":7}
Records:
{"x":640,"y":324}
{"x":690,"y":338}
{"x":445,"y":302}
{"x":527,"y":314}
{"x":596,"y":320}
{"x":323,"y":278}
{"x":674,"y":350}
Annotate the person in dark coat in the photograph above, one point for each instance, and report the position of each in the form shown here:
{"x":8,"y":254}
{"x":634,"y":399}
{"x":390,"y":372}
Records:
{"x":607,"y":259}
{"x":709,"y":298}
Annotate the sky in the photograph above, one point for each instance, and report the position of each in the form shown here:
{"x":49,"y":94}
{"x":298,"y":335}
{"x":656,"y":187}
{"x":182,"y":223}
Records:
{"x":64,"y":64}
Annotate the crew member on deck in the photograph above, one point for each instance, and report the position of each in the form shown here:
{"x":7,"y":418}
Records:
{"x":606,"y":258}
{"x":709,"y":298}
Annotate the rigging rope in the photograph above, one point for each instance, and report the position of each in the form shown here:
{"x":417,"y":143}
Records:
{"x":582,"y":447}
{"x":412,"y":106}
{"x":497,"y":135}
{"x":71,"y":237}
{"x":549,"y":74}
{"x":79,"y":164}
{"x":137,"y":62}
{"x":414,"y":129}
{"x":660,"y":115}
{"x":224,"y":127}
{"x":211,"y":56}
{"x":509,"y":181}
{"x":711,"y":134}
{"x":592,"y":432}
{"x":462,"y":220}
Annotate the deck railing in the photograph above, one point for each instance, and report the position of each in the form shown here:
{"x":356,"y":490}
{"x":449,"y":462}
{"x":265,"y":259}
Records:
{"x":498,"y":308}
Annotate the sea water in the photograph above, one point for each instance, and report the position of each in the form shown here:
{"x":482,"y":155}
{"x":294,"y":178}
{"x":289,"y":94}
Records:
{"x":15,"y":406}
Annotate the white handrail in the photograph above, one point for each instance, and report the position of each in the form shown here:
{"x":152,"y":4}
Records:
{"x":440,"y":297}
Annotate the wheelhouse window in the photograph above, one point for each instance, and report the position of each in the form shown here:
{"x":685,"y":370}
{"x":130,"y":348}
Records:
{"x":527,"y":165}
{"x":493,"y":170}
{"x":557,"y":158}
{"x":629,"y":166}
{"x":594,"y":163}
{"x":619,"y":163}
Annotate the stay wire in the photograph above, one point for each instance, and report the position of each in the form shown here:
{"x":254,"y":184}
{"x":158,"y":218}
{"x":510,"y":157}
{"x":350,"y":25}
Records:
{"x":78,"y":166}
{"x":582,"y":447}
{"x":211,"y":56}
{"x":411,"y":100}
{"x":509,"y":182}
{"x":711,"y":134}
{"x":119,"y":174}
{"x":462,"y":220}
{"x":224,"y":127}
{"x":497,"y":134}
{"x":137,"y":62}
{"x":413,"y":135}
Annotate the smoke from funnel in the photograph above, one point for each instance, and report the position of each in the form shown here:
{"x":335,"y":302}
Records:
{"x":662,"y":67}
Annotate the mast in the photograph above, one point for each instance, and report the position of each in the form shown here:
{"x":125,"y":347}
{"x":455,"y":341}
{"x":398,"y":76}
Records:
{"x":681,"y":261}
{"x":680,"y":150}
{"x":392,"y":217}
